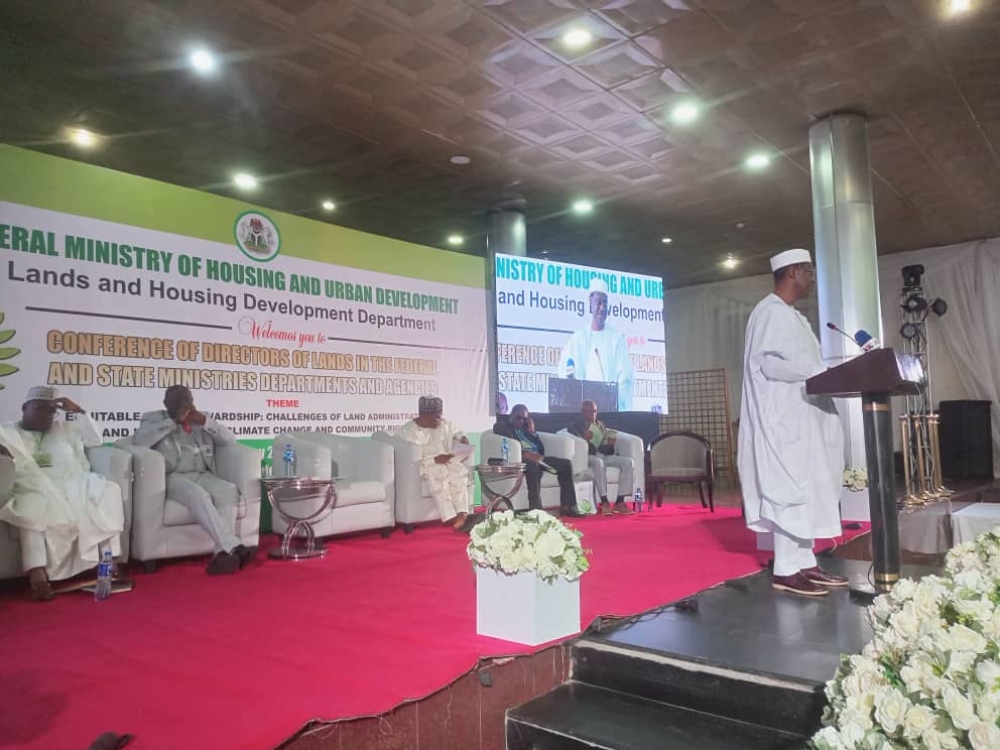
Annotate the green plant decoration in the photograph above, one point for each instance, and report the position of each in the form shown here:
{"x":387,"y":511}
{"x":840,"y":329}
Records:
{"x":6,"y":352}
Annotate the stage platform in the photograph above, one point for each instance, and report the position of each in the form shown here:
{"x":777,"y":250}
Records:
{"x":736,"y":667}
{"x":192,"y":661}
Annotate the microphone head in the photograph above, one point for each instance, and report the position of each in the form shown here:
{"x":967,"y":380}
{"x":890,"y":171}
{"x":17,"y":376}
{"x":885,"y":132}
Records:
{"x":831,"y":326}
{"x":862,"y":337}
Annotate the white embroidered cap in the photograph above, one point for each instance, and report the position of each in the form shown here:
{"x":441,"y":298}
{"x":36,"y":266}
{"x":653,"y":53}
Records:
{"x":41,"y":393}
{"x":598,"y":285}
{"x":790,"y":258}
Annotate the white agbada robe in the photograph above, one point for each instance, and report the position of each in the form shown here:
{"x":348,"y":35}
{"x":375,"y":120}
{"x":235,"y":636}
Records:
{"x":602,"y":356}
{"x":791,"y":446}
{"x":77,"y":510}
{"x":448,"y":483}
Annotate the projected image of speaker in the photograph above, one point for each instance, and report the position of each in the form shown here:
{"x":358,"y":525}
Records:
{"x":567,"y":333}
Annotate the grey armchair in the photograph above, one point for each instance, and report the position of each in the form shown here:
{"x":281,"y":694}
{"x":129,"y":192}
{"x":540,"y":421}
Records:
{"x":111,"y":463}
{"x":163,"y":528}
{"x":681,"y":457}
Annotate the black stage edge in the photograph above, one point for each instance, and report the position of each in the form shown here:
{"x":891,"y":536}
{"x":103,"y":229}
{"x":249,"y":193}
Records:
{"x":735,"y":667}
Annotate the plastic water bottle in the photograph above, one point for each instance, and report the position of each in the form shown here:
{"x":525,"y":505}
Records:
{"x":104,"y":571}
{"x":637,"y":499}
{"x":290,"y":463}
{"x":504,"y":450}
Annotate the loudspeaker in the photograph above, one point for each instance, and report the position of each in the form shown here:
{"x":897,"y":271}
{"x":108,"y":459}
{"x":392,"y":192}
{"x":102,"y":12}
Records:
{"x":966,"y":440}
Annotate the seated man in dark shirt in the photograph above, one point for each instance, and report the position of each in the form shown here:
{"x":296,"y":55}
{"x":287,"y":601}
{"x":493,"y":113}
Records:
{"x":519,"y":428}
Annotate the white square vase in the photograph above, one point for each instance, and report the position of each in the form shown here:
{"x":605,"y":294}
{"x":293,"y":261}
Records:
{"x":854,"y":506}
{"x":525,"y":609}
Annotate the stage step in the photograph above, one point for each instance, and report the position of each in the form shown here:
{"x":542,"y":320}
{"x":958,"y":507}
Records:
{"x":577,"y":715}
{"x":775,"y":702}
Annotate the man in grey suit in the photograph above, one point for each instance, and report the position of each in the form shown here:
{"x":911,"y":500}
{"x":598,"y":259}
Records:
{"x":187,"y":439}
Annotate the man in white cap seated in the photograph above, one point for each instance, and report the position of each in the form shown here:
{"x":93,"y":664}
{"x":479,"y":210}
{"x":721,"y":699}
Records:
{"x":66,"y":515}
{"x":599,"y":352}
{"x":791,"y":446}
{"x":446,"y":476}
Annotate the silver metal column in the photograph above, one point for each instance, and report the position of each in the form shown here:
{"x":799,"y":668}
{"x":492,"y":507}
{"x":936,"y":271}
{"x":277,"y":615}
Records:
{"x":505,"y":234}
{"x":846,"y":259}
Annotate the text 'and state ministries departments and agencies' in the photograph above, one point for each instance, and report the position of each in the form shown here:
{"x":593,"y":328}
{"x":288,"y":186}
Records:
{"x":546,"y":329}
{"x":116,"y":313}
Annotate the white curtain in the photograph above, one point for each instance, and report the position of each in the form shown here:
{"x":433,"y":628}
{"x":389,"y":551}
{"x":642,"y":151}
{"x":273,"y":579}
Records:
{"x":706,"y":323}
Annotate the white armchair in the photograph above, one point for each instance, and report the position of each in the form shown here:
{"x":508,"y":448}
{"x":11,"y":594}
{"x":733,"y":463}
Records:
{"x":414,"y":502}
{"x":366,"y":491}
{"x":163,"y":528}
{"x":110,"y":463}
{"x":627,"y":445}
{"x":558,"y":445}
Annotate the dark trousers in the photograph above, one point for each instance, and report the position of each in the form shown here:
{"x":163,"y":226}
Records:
{"x":564,"y":473}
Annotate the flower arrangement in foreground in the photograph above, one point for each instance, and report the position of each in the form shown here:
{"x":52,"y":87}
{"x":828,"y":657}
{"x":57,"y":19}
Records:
{"x":855,"y":479}
{"x":533,"y":542}
{"x":930,"y":678}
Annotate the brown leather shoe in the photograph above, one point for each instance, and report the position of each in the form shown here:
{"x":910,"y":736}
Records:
{"x":623,"y":510}
{"x":797,"y":584}
{"x":823,"y":578}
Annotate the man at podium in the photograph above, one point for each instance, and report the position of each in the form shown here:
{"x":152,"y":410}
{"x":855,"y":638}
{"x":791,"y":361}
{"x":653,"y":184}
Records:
{"x":599,"y":352}
{"x":791,"y":446}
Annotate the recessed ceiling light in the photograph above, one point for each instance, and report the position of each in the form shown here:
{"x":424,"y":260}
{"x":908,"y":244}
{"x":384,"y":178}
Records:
{"x":203,"y":61}
{"x":576,"y":38}
{"x":455,"y":239}
{"x":460,"y":159}
{"x":666,"y":240}
{"x":684,"y":113}
{"x":758,"y":161}
{"x":329,"y":205}
{"x":583,"y":207}
{"x":82,"y":138}
{"x":244,"y":181}
{"x":958,"y":6}
{"x":730,"y":263}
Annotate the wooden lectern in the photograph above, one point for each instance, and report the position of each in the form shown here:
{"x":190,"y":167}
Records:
{"x":876,"y":377}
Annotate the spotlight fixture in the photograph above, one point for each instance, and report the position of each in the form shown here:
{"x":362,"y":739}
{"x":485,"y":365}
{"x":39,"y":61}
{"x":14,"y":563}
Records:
{"x":244,"y":181}
{"x":915,"y":304}
{"x":730,"y":263}
{"x":684,"y":113}
{"x":939,"y":307}
{"x":460,"y":159}
{"x":583,"y":207}
{"x":911,"y":277}
{"x":329,"y":205}
{"x":758,"y":161}
{"x":576,"y":38}
{"x":909,"y":331}
{"x":203,"y":61}
{"x":455,"y":239}
{"x":82,"y":138}
{"x":666,"y":240}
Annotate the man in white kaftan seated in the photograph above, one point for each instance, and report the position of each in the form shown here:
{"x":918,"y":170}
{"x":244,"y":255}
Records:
{"x":445,"y":474}
{"x":65,"y":514}
{"x":187,"y":439}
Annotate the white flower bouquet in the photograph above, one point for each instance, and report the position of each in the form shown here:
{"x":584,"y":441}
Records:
{"x":855,"y":479}
{"x":930,"y":678}
{"x":533,"y":542}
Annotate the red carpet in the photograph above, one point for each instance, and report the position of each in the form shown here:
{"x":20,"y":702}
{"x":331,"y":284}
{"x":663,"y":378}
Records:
{"x":196,"y":662}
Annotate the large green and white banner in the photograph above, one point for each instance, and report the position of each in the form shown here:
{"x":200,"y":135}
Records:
{"x":113,"y":313}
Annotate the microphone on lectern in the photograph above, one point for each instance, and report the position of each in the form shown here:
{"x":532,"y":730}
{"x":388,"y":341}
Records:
{"x":866,"y":341}
{"x":600,"y":364}
{"x":832,"y":327}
